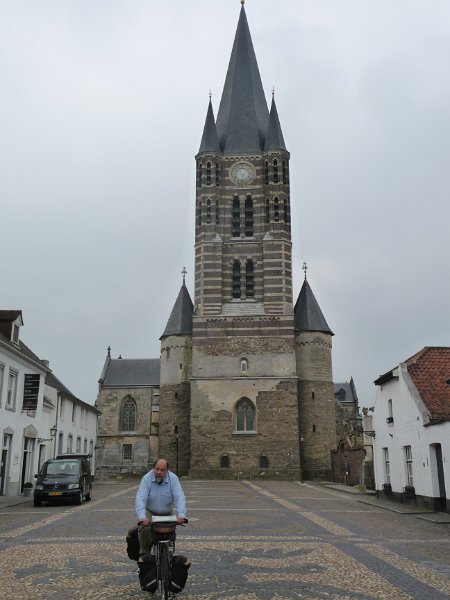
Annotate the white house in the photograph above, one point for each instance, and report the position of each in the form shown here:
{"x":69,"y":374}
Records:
{"x":39,"y":416}
{"x":412,"y":423}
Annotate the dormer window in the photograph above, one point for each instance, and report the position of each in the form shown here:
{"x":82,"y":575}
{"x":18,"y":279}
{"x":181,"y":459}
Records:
{"x":15,"y":333}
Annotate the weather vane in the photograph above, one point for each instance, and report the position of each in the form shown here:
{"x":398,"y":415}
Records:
{"x":184,"y":273}
{"x":305,"y":268}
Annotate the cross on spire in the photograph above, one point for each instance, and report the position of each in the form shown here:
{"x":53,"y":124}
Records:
{"x":305,"y":268}
{"x":184,"y":273}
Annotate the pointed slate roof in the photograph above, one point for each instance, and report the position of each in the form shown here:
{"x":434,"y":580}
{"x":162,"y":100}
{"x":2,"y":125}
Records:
{"x":210,"y":142}
{"x":274,"y":138}
{"x":243,"y":115}
{"x":131,"y":372}
{"x":180,"y":320}
{"x":307,"y":313}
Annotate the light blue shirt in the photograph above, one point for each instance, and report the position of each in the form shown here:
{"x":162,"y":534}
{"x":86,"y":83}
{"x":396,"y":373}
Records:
{"x":160,"y":499}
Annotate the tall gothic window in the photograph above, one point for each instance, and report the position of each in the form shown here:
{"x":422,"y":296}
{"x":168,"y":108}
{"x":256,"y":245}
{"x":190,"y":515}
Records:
{"x":128,"y":415}
{"x":208,"y":173}
{"x":249,"y":280}
{"x":199,"y":213}
{"x":266,"y":173}
{"x":245,"y":415}
{"x":208,"y":211}
{"x":267,"y":210}
{"x":236,"y":217}
{"x":236,"y":279}
{"x":276,"y":210}
{"x":199,"y":175}
{"x":248,"y":217}
{"x":275,"y":171}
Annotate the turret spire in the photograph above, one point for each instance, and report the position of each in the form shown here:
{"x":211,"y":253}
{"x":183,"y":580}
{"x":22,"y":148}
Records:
{"x":274,"y":138}
{"x":209,"y":141}
{"x":307,"y":313}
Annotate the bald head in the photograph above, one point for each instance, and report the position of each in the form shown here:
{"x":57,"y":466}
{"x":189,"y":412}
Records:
{"x":160,"y":469}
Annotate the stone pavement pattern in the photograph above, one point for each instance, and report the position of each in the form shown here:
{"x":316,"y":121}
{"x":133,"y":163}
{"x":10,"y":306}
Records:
{"x":247,"y":541}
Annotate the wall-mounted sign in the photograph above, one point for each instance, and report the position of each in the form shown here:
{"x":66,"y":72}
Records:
{"x":31,"y":391}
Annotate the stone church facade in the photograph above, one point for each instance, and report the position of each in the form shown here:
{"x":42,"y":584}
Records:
{"x":246,"y":385}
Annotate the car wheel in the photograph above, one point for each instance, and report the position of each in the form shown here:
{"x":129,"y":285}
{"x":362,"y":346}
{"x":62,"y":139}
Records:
{"x":89,"y":494}
{"x":37,"y":502}
{"x":79,"y":499}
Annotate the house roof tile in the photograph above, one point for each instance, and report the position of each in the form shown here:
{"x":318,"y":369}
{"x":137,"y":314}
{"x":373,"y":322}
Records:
{"x":430,"y":371}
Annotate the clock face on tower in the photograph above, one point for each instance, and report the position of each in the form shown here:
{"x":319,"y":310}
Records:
{"x":242,"y":173}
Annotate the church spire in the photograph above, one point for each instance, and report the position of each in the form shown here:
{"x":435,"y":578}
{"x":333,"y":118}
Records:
{"x":243,"y":114}
{"x":209,"y":141}
{"x":274,"y":138}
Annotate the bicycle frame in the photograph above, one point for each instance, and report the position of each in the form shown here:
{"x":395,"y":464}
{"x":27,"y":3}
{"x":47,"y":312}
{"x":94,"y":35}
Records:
{"x":163,"y":551}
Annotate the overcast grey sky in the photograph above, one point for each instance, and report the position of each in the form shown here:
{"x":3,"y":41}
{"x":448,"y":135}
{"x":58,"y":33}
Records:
{"x":102,"y":106}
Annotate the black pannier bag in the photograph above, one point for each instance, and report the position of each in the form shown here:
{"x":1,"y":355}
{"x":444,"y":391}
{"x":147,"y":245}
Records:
{"x":179,"y":575}
{"x":147,"y":574}
{"x":133,"y":543}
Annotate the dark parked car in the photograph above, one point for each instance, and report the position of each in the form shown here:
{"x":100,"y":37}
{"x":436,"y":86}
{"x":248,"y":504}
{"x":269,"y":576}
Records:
{"x":67,"y":477}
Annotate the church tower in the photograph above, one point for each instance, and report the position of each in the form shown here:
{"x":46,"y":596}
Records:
{"x":244,"y":388}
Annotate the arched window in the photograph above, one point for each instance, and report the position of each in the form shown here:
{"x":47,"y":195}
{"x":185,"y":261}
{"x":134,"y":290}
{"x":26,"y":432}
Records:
{"x":236,"y":217}
{"x":217,"y":174}
{"x":224,"y":461}
{"x":208,"y":211}
{"x":236,"y":279}
{"x":208,"y":173}
{"x":285,"y":172}
{"x":267,"y":210}
{"x":217,"y":213}
{"x":276,"y":210}
{"x":248,"y":217}
{"x":249,"y":280}
{"x":275,"y":171}
{"x":60,"y":443}
{"x":263,"y":461}
{"x":266,"y":173}
{"x":69,"y":443}
{"x":287,"y":216}
{"x":245,"y":415}
{"x":244,"y":365}
{"x":199,"y":213}
{"x":128,"y":416}
{"x":199,"y":175}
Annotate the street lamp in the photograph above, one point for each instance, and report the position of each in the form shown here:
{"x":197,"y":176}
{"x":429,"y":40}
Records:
{"x":53,"y":430}
{"x":175,"y":430}
{"x":360,"y":429}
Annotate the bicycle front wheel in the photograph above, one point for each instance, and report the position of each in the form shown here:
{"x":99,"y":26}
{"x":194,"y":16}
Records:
{"x":164,"y":571}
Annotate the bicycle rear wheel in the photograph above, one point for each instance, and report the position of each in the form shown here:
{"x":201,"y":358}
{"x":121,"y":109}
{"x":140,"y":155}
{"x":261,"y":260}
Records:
{"x":164,"y":571}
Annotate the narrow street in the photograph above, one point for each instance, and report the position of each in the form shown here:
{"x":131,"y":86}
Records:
{"x":246,"y":540}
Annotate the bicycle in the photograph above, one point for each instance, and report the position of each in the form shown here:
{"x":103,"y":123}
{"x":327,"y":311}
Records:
{"x":163,"y":549}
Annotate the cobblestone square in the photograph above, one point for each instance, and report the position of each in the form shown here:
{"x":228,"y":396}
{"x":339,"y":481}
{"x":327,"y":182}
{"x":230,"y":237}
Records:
{"x":246,"y":541}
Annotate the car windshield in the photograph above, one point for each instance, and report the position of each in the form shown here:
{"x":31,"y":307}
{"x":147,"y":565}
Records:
{"x":61,"y":468}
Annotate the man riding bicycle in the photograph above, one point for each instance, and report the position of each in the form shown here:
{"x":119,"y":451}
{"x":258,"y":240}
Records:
{"x":158,"y":494}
